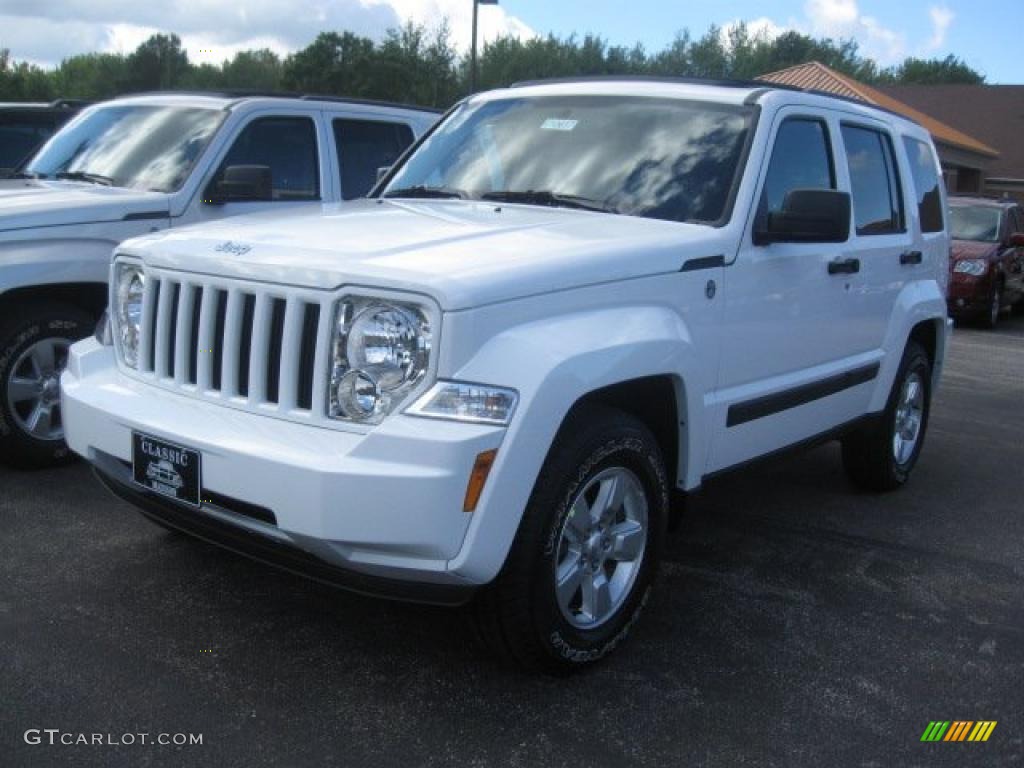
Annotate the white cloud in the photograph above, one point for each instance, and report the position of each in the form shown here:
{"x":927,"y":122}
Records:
{"x":760,"y":27}
{"x":941,"y":18}
{"x":46,"y":31}
{"x":842,"y":19}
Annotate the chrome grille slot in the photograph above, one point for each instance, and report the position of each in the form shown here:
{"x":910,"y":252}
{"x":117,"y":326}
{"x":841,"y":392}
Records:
{"x":237,"y":343}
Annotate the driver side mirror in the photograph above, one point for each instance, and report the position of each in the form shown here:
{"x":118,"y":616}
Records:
{"x":241,"y":183}
{"x":807,"y":216}
{"x":1017,"y":240}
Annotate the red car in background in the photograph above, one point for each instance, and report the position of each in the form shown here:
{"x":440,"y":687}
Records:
{"x":987,"y":260}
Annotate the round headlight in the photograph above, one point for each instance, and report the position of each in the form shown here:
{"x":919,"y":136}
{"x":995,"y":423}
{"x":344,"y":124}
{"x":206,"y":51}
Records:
{"x":358,"y":394}
{"x":131,"y":285}
{"x":385,"y":344}
{"x":381,"y":352}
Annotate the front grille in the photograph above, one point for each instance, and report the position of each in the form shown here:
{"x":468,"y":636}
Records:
{"x":260,"y":346}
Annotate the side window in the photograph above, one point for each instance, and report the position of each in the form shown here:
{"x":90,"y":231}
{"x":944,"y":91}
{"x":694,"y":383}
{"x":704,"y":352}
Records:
{"x":363,"y":147}
{"x":1017,"y":221}
{"x":286,"y":145}
{"x":877,"y":199}
{"x":17,"y":140}
{"x":926,"y":184}
{"x":801,"y":159}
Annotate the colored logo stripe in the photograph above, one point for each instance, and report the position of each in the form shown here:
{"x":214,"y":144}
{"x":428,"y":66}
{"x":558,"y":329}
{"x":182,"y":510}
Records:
{"x":958,"y":730}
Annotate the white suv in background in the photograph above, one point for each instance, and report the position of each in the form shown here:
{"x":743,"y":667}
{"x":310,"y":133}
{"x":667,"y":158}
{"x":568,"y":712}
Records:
{"x":143,"y":164}
{"x":568,"y":301}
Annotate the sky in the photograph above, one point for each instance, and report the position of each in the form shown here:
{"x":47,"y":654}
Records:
{"x":987,"y":34}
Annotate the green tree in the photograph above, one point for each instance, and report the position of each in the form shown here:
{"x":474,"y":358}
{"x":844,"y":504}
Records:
{"x":160,"y":63}
{"x":331,"y":64}
{"x":950,"y":70}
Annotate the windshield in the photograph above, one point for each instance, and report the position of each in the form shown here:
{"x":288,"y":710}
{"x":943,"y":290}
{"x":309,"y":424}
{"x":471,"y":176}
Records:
{"x":139,"y":147}
{"x":974,"y":222}
{"x":657,"y":158}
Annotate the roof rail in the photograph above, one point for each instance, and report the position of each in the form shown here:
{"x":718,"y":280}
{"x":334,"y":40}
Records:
{"x":721,"y":83}
{"x":760,"y":87}
{"x":1005,"y":197}
{"x":69,"y":103}
{"x":238,"y":95}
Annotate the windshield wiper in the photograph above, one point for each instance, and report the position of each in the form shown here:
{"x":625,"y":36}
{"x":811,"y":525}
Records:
{"x":92,"y":178}
{"x":27,"y":175}
{"x":426,"y":192}
{"x":547,"y":197}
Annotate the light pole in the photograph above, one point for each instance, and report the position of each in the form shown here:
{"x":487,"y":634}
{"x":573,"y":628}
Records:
{"x":472,"y":64}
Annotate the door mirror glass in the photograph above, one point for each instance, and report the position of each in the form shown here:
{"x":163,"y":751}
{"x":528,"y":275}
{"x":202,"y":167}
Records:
{"x":242,"y":183}
{"x":1017,"y":240}
{"x":808,"y":216}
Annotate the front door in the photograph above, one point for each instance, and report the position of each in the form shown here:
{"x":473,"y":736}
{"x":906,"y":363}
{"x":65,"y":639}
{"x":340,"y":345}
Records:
{"x":788,"y":368}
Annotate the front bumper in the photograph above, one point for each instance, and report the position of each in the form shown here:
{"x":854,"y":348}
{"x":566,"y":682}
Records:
{"x":366,"y":510}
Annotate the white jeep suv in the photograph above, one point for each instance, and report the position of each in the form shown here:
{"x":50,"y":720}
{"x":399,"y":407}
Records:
{"x":569,"y":301}
{"x":142,"y":164}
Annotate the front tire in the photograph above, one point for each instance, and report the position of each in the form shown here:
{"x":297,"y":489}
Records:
{"x":582,"y":563}
{"x":34,"y":346}
{"x":881,"y":455}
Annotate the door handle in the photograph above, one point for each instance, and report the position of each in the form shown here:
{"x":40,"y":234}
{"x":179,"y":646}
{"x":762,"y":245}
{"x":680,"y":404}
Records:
{"x":844,"y":266}
{"x":911,"y":257}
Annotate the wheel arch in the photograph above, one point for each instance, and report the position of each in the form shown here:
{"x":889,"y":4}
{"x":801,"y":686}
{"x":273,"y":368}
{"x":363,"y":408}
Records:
{"x":90,"y":297}
{"x":646,"y":366}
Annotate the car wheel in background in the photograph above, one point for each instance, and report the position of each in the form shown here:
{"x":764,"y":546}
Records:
{"x":995,"y":308}
{"x":880,"y":455}
{"x":34,"y":344}
{"x":582,"y":563}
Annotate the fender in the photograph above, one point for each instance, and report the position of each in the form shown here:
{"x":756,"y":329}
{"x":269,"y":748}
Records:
{"x":918,"y":302}
{"x":72,"y":254}
{"x":553,"y":363}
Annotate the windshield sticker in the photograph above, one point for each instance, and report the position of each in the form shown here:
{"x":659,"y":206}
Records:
{"x":553,"y":124}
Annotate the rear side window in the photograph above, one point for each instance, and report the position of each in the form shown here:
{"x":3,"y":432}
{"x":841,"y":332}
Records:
{"x":286,"y":145}
{"x":363,"y":147}
{"x":926,"y":184}
{"x":875,"y":183}
{"x":801,"y":159}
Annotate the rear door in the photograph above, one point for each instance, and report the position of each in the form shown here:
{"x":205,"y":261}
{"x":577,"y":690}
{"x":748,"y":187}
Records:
{"x":362,"y":146}
{"x":884,"y":243}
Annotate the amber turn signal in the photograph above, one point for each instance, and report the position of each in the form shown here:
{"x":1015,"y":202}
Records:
{"x":477,"y":478}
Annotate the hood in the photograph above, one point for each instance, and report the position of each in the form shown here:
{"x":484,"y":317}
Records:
{"x":971,"y":249}
{"x":30,"y":203}
{"x":462,"y":253}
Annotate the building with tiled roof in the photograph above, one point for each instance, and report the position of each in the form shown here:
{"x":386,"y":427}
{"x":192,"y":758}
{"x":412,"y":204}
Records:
{"x":966,"y":160}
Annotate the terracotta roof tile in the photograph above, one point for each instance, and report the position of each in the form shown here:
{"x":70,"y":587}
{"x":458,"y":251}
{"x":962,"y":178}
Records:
{"x":816,"y":76}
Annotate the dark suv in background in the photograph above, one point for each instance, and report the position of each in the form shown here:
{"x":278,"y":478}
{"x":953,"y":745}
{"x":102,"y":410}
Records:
{"x":24,"y":127}
{"x":987,"y":261}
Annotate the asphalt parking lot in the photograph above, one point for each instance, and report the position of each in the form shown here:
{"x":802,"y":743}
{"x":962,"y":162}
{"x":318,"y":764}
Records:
{"x":796,"y":622}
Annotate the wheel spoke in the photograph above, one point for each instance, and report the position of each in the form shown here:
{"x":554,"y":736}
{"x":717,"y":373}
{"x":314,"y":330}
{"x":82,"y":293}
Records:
{"x":570,"y":577}
{"x":19,"y":390}
{"x":578,"y":522}
{"x":43,"y":356}
{"x":39,"y":421}
{"x":597,"y":598}
{"x":627,"y":540}
{"x":609,"y":498}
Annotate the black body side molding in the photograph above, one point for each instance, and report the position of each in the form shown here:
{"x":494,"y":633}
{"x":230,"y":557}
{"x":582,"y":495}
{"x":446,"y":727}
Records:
{"x":758,"y":408}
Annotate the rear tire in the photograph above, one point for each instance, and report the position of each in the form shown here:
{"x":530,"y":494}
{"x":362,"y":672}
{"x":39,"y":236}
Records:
{"x":880,"y":455}
{"x":34,"y":345}
{"x":581,"y":567}
{"x":995,"y":309}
